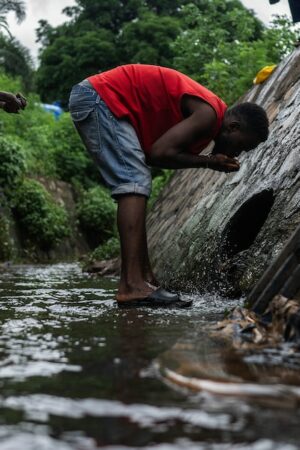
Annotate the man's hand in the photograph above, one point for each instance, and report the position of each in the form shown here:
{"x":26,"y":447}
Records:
{"x":13,"y":103}
{"x":223,"y":163}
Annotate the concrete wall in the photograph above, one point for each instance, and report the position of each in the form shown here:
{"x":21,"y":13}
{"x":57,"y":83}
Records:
{"x":200,"y":210}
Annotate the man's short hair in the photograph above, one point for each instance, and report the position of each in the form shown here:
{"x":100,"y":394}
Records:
{"x":253,"y":118}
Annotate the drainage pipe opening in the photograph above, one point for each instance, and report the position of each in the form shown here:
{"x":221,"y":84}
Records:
{"x":243,"y":228}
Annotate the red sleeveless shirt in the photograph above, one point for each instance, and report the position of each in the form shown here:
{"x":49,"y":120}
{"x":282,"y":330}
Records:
{"x":150,"y":98}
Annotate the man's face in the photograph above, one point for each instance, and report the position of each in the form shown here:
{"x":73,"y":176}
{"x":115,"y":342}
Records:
{"x":232,"y":141}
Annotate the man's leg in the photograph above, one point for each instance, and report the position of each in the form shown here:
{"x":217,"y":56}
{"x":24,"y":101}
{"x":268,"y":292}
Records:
{"x":135,"y":268}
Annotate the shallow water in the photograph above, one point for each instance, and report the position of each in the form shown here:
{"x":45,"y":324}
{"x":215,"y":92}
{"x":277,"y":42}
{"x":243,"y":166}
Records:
{"x":78,"y":373}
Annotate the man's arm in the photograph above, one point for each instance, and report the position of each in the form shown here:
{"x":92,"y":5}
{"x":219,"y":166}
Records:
{"x":170,"y":151}
{"x":12,"y":103}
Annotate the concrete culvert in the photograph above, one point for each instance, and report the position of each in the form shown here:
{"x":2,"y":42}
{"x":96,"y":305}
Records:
{"x":238,"y":236}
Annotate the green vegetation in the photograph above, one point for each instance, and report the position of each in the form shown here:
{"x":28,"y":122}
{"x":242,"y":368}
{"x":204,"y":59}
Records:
{"x":12,"y":165}
{"x":16,"y":60}
{"x":6,"y":245}
{"x":219,"y":43}
{"x":243,"y":46}
{"x":110,"y":249}
{"x":43,"y":222}
{"x":7,"y":6}
{"x":159,"y":181}
{"x":96,"y":212}
{"x":34,"y":144}
{"x":70,"y":159}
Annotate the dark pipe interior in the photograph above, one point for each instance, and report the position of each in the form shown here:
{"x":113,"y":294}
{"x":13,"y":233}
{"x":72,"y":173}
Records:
{"x":244,"y":226}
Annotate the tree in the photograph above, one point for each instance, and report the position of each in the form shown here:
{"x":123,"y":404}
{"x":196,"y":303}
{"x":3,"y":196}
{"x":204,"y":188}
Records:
{"x":71,"y":58}
{"x":6,"y":6}
{"x":110,"y":14}
{"x":226,"y":46}
{"x":166,"y":7}
{"x":100,"y":35}
{"x":207,"y":29}
{"x":16,"y":60}
{"x":148,"y":39}
{"x":113,"y":13}
{"x":219,"y":43}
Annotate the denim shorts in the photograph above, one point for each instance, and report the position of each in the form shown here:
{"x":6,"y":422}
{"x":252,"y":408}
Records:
{"x":112,"y":143}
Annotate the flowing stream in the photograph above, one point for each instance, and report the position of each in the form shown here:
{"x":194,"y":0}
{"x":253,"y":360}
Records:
{"x":78,"y":373}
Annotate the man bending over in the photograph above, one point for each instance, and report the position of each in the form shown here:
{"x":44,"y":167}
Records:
{"x":136,"y":116}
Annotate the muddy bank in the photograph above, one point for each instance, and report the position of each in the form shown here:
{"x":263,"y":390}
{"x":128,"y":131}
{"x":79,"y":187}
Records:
{"x":13,"y":244}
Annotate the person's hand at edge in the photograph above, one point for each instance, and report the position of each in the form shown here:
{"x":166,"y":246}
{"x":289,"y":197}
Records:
{"x":223,"y":163}
{"x":22,"y":99}
{"x":12,"y":103}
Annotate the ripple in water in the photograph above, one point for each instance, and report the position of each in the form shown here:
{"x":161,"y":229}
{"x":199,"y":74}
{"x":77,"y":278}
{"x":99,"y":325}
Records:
{"x":77,"y":373}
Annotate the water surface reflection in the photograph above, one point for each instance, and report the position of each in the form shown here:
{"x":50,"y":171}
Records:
{"x":78,"y":373}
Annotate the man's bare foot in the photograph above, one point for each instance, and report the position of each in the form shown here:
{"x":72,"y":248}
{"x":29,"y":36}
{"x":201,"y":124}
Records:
{"x":159,"y":298}
{"x":133,"y":293}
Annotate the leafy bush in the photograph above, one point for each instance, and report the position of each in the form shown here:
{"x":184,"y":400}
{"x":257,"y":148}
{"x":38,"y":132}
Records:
{"x":52,"y":147}
{"x":237,"y":65}
{"x":110,"y":249}
{"x":16,"y":59}
{"x":70,"y":157}
{"x":223,"y":45}
{"x":12,"y":165}
{"x":6,"y":243}
{"x":158,"y":184}
{"x":32,"y":129}
{"x":96,"y":213}
{"x":43,"y":221}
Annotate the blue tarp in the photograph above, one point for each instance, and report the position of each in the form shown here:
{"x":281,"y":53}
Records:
{"x":55,"y":109}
